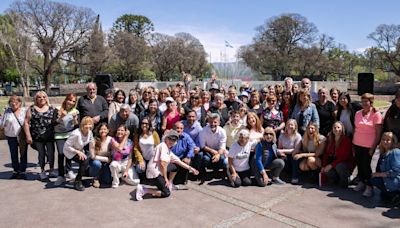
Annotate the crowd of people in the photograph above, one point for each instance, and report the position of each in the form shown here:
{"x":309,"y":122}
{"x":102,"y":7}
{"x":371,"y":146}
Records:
{"x":165,"y":137}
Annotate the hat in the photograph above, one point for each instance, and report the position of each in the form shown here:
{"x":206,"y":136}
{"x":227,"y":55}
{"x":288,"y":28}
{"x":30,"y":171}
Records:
{"x":172,"y":134}
{"x":213,"y":87}
{"x":169,"y":99}
{"x":244,"y":93}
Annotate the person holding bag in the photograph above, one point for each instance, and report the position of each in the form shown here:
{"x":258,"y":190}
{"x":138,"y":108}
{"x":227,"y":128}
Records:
{"x":12,"y":121}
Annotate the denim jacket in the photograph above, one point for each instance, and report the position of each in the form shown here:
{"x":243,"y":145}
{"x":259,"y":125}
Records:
{"x":309,"y":115}
{"x":390,"y":163}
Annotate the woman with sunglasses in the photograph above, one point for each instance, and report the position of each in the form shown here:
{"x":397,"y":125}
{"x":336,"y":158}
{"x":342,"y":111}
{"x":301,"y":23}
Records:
{"x":194,"y":104}
{"x":268,"y":158}
{"x":144,"y":101}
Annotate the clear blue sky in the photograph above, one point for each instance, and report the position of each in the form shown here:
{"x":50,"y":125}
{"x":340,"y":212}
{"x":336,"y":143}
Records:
{"x":214,"y":21}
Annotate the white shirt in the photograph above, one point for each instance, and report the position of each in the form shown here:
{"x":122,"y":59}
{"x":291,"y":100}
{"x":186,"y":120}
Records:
{"x":147,"y":147}
{"x":215,"y":140}
{"x":10,"y":124}
{"x":240,"y":156}
{"x":161,"y":153}
{"x":76,"y":141}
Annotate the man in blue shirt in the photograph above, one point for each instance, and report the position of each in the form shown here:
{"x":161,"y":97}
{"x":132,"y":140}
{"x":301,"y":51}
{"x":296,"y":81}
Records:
{"x":192,"y":127}
{"x":184,"y":149}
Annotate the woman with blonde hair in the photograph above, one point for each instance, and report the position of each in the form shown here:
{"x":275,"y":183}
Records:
{"x":367,"y":131}
{"x":288,"y":141}
{"x":338,"y":160}
{"x":13,"y":121}
{"x":305,"y":111}
{"x":74,"y":148}
{"x":307,"y":155}
{"x":40,"y":120}
{"x":267,"y":157}
{"x":387,"y":175}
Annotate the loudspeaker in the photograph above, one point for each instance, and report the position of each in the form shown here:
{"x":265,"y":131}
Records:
{"x":103,"y":82}
{"x":365,"y":83}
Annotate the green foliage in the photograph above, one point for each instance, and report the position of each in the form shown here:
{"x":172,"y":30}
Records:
{"x":146,"y":74}
{"x":11,"y":75}
{"x":136,"y":24}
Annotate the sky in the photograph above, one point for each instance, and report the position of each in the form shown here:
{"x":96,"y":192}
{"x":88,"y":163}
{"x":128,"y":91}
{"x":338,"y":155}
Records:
{"x":215,"y":21}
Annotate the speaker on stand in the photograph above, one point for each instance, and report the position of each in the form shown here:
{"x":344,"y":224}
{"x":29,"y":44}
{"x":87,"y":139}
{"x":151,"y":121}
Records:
{"x":103,"y":82}
{"x":365,"y":83}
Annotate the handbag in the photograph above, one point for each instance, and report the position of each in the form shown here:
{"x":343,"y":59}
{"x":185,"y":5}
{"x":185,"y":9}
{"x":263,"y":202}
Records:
{"x":21,"y":136}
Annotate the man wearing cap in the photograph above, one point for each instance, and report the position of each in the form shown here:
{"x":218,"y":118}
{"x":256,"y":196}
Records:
{"x":213,"y":145}
{"x":244,"y":97}
{"x":126,"y":117}
{"x":214,"y":89}
{"x":157,"y":171}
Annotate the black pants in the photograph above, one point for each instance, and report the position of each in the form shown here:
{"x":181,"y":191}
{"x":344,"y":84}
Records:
{"x":243,"y":178}
{"x":159,"y":182}
{"x":339,"y":174}
{"x":83,"y":165}
{"x":45,"y":148}
{"x":68,"y":164}
{"x":363,"y":160}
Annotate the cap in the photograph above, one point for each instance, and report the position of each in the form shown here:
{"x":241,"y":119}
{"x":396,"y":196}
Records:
{"x":244,"y":93}
{"x":169,"y":99}
{"x":214,"y":87}
{"x":172,"y":134}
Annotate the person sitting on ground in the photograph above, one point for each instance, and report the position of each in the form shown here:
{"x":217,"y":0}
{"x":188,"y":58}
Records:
{"x":121,"y":149}
{"x":157,"y":168}
{"x":77,"y":146}
{"x":239,"y":172}
{"x":387,"y":175}
{"x":99,"y":164}
{"x":268,"y":158}
{"x":338,"y":160}
{"x":306,"y":156}
{"x":288,"y":141}
{"x":213,"y":146}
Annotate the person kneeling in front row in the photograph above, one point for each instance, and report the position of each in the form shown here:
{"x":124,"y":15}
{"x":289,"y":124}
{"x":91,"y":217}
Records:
{"x":238,"y":160}
{"x":157,"y":168}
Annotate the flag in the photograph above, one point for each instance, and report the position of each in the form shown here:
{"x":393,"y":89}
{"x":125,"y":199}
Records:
{"x":227,"y":44}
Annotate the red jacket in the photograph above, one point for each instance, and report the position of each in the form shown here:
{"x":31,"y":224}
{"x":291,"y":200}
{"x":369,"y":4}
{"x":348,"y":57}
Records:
{"x":344,"y":153}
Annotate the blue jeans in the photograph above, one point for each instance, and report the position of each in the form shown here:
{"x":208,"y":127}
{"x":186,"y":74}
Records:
{"x":100,"y":170}
{"x":207,"y":162}
{"x":19,"y":165}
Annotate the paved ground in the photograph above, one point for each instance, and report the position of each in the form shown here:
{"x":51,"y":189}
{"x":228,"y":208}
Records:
{"x":31,"y":203}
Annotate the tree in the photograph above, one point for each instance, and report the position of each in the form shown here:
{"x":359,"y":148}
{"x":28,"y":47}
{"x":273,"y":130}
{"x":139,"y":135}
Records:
{"x":96,"y":49}
{"x":274,"y":48}
{"x":387,"y":40}
{"x":131,"y":53}
{"x":139,"y":25}
{"x":17,"y":48}
{"x":56,"y":29}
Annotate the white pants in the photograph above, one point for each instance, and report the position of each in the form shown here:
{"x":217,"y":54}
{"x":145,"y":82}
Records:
{"x":117,"y":169}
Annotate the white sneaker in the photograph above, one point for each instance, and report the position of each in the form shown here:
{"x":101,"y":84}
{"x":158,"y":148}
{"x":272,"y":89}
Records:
{"x":115,"y":186}
{"x":71,"y":175}
{"x":173,"y":187}
{"x":43,"y":175}
{"x":139,"y":192}
{"x":60,"y":180}
{"x":360,"y":186}
{"x":295,"y":181}
{"x":369,"y":192}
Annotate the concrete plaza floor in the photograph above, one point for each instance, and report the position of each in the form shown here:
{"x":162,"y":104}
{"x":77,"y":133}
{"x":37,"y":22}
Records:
{"x":31,"y":203}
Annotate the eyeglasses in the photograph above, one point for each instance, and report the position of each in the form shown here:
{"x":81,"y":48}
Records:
{"x":271,"y":101}
{"x":195,"y":98}
{"x":271,"y":134}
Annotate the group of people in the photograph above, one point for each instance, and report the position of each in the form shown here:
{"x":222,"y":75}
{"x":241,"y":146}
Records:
{"x":165,"y":137}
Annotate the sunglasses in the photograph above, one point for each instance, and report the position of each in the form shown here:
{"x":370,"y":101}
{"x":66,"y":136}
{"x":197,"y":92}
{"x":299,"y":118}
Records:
{"x":271,"y":101}
{"x":196,"y":98}
{"x":271,"y":134}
